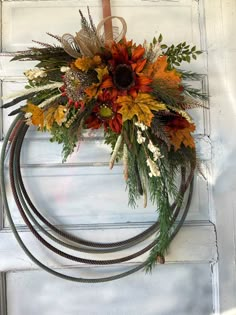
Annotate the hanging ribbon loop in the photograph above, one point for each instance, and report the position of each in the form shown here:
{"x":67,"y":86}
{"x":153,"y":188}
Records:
{"x":90,"y":41}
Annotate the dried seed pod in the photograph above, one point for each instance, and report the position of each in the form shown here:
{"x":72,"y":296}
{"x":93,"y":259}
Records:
{"x":77,"y":81}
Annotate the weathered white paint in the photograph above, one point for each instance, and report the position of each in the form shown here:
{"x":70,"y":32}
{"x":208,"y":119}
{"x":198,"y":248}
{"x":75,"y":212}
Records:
{"x":195,"y":243}
{"x":184,"y":293}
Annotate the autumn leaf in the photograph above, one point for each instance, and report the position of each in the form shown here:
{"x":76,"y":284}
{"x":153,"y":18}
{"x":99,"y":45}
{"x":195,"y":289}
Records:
{"x":179,"y":131}
{"x":49,"y":118}
{"x":168,"y":81}
{"x":37,"y":117}
{"x":141,"y":107}
{"x":55,"y":114}
{"x":158,"y":71}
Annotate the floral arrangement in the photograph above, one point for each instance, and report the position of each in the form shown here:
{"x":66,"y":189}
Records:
{"x":135,"y":92}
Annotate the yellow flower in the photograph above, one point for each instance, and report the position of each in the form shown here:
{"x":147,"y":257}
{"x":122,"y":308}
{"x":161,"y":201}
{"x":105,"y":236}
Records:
{"x":86,"y":63}
{"x":37,"y":117}
{"x":142,"y":107}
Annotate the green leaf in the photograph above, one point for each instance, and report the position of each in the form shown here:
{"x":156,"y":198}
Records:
{"x":160,"y":38}
{"x":164,"y":46}
{"x":194,"y":57}
{"x":198,"y":52}
{"x":154,"y":41}
{"x":188,"y":59}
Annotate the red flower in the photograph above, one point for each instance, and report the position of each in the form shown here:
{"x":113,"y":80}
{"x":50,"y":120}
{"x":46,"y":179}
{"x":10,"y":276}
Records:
{"x":178,"y":122}
{"x":106,"y":113}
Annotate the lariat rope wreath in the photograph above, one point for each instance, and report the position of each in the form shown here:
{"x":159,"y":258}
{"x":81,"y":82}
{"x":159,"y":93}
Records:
{"x":96,"y":80}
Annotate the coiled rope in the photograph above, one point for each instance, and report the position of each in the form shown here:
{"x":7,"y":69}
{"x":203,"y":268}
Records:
{"x":34,"y":219}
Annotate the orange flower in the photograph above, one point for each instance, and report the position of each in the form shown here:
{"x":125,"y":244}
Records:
{"x":106,"y":113}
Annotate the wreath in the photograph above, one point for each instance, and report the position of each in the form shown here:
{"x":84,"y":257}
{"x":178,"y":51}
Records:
{"x":139,"y":96}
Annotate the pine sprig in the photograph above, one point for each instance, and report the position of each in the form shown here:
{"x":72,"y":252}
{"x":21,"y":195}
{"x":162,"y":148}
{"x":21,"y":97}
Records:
{"x":195,"y":93}
{"x":165,"y":95}
{"x":162,"y":239}
{"x":190,"y":76}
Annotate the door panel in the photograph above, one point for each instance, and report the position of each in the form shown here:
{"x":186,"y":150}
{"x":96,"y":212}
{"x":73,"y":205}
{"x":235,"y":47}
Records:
{"x":171,"y":289}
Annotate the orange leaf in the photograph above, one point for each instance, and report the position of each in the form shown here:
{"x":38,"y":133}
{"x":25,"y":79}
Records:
{"x":164,"y":79}
{"x":179,"y":132}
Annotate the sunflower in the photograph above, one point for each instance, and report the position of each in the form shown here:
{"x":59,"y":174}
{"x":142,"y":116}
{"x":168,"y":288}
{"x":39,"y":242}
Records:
{"x":106,"y":113}
{"x":126,"y":65}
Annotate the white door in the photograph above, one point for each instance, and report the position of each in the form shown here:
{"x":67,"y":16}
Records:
{"x":199,"y":277}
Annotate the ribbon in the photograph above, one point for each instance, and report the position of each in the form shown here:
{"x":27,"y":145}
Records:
{"x":90,"y":41}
